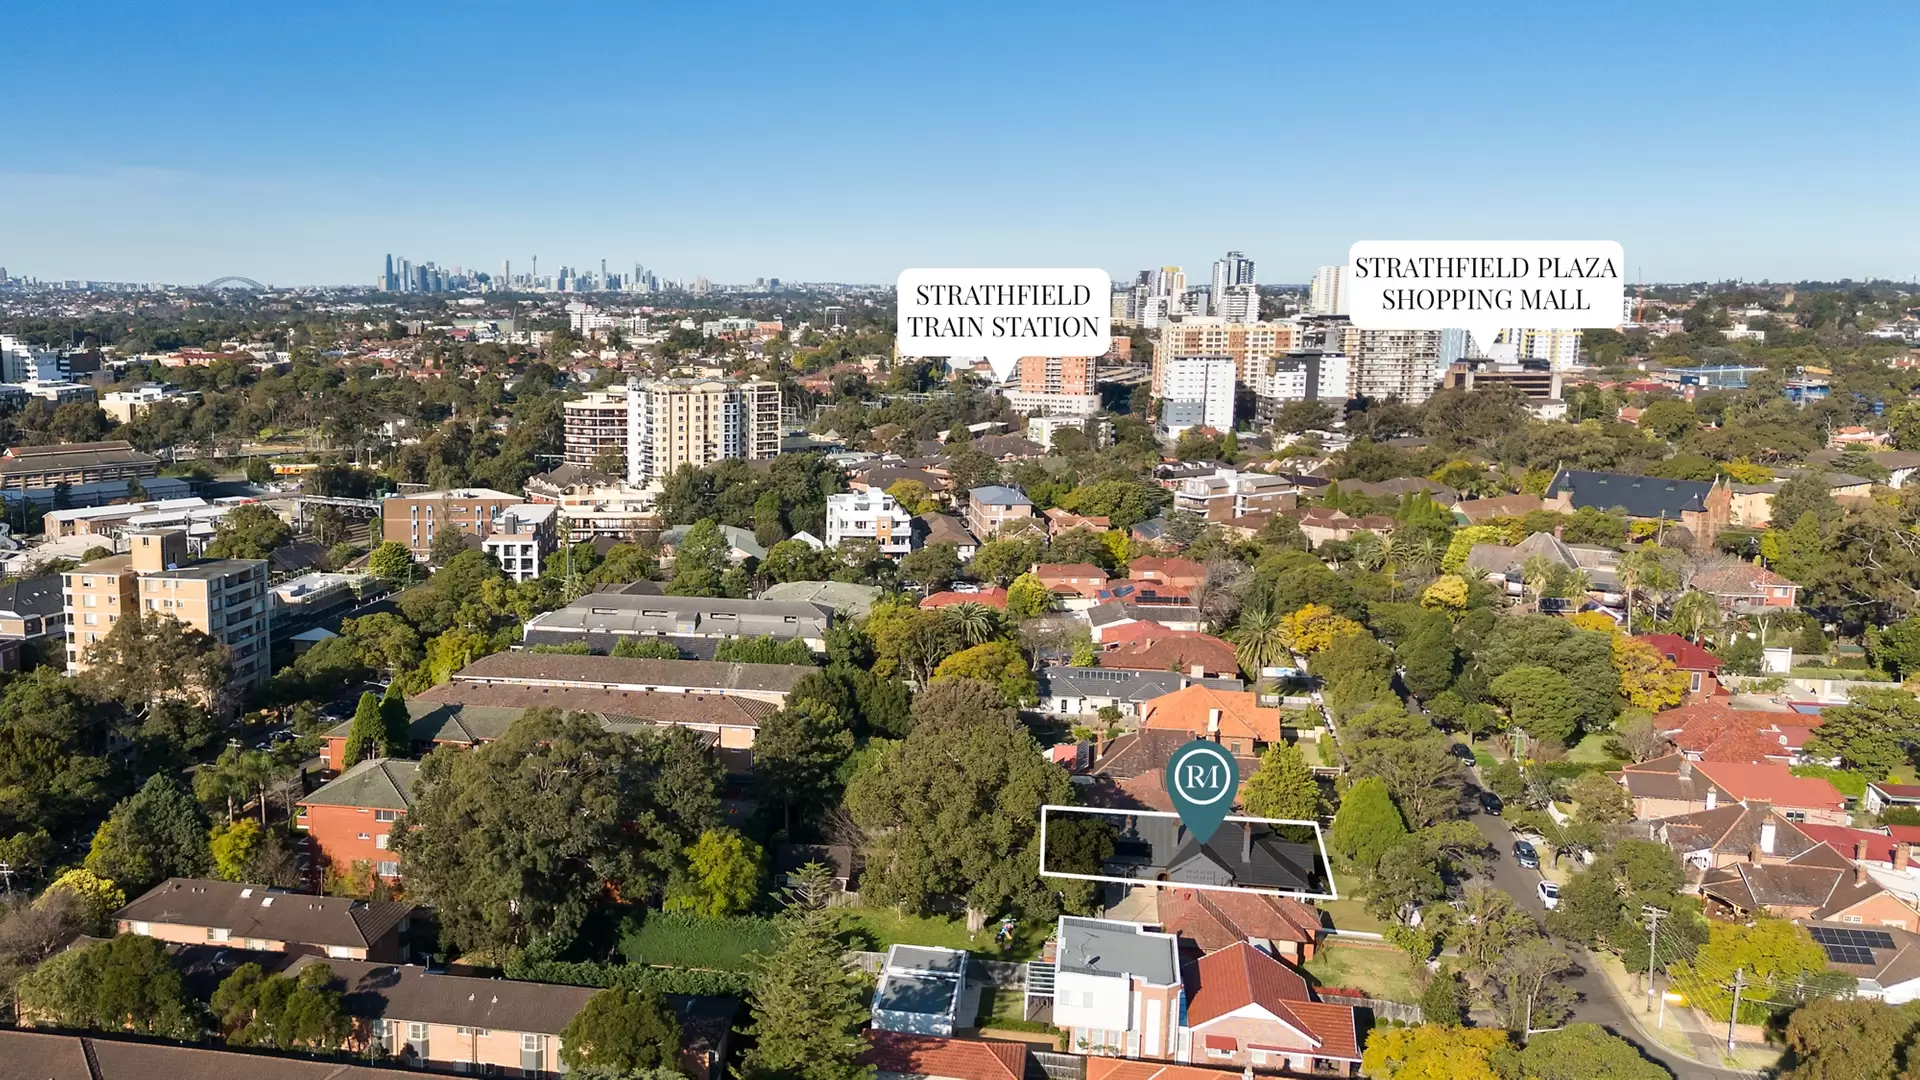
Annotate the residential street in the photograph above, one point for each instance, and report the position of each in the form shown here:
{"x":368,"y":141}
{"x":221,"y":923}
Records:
{"x":1598,"y":1002}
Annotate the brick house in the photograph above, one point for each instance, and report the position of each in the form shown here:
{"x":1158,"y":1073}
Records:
{"x":1701,"y":666}
{"x":898,"y":1056}
{"x":1249,"y":1010}
{"x":1671,"y":786}
{"x":352,"y":816}
{"x":1741,"y":587}
{"x":992,"y":508}
{"x":1820,"y":883}
{"x":198,"y":911}
{"x":1234,"y":719}
{"x":1210,"y":920}
{"x":1072,"y":582}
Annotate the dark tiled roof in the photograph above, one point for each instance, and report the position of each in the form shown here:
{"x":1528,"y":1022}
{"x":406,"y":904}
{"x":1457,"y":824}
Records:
{"x":636,"y":706}
{"x":32,"y":596}
{"x":1639,"y":496}
{"x":379,"y":784}
{"x":34,"y":1055}
{"x":256,"y":911}
{"x":633,"y":672}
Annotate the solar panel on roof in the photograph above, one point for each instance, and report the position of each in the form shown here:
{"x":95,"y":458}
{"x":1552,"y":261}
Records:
{"x":1842,"y":935}
{"x":1849,"y":954}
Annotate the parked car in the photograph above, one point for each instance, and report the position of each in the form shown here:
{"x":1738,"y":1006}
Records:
{"x":1549,"y":894}
{"x":1526,"y":855}
{"x":1490,"y":803}
{"x":1461,"y":751}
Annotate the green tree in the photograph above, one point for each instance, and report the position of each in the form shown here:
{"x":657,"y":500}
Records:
{"x":1768,"y":950}
{"x":699,"y":561}
{"x":157,"y":832}
{"x":934,"y":567}
{"x":1873,"y":733}
{"x":1583,"y":658}
{"x":1585,"y":1052}
{"x":1541,"y":702}
{"x":391,"y":562}
{"x":367,"y":734}
{"x":1000,"y":561}
{"x":722,"y":876}
{"x":646,"y":648}
{"x":797,"y":754}
{"x":1366,"y":825}
{"x":621,"y":1033}
{"x":516,"y":841}
{"x":808,"y":1007}
{"x":248,"y":531}
{"x":232,"y":845}
{"x":151,"y":660}
{"x":997,"y":662}
{"x":1850,"y":1039}
{"x":1284,"y":786}
{"x":304,"y":1010}
{"x":127,"y":983}
{"x":952,"y":813}
{"x":1027,"y":598}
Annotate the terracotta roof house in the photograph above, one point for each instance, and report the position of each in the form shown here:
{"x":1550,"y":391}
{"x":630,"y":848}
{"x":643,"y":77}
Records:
{"x":1701,"y":666}
{"x":1209,"y":920}
{"x":1080,"y":581}
{"x":993,"y":596}
{"x":1708,"y":729}
{"x":1740,"y":587}
{"x":1059,"y":521}
{"x":897,"y":1056}
{"x":196,"y":911}
{"x":1168,"y":570}
{"x":1878,"y":849}
{"x":1673,"y":785}
{"x":1248,"y":1009}
{"x":1820,"y":883}
{"x":1129,"y":772}
{"x":1148,"y":648}
{"x":1481,"y":511}
{"x":1232,"y":718}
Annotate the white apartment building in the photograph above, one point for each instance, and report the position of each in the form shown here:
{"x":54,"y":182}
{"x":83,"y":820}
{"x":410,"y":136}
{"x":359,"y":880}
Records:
{"x":661,"y":424}
{"x":23,"y":362}
{"x":869,"y":515}
{"x":1560,"y":349}
{"x":1327,"y":294}
{"x":522,"y":537}
{"x":1238,"y":304}
{"x":1311,"y":377}
{"x":1196,"y":391}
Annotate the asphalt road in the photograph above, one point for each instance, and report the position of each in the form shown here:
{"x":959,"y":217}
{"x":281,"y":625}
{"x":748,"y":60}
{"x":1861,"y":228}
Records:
{"x":1598,"y":1003}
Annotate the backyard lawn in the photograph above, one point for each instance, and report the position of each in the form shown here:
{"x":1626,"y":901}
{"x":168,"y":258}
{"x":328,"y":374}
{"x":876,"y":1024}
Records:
{"x":877,"y":928}
{"x":1592,"y":750}
{"x":1349,"y":912}
{"x":1377,"y":972}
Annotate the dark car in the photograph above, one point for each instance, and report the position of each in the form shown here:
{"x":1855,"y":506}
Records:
{"x":1525,"y":855}
{"x":1461,"y":751}
{"x":1490,"y":803}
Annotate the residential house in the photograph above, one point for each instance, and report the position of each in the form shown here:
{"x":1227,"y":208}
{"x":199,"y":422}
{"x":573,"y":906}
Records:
{"x":696,"y":624}
{"x":869,"y":515}
{"x":898,"y":1056}
{"x":1481,"y":511}
{"x":1740,"y":587}
{"x":741,"y":544}
{"x":1701,"y":507}
{"x":1234,"y":719}
{"x":33,"y":615}
{"x":1820,"y":883}
{"x":1146,"y":646}
{"x":41,"y":1055}
{"x":1109,"y":617}
{"x":1504,"y":565}
{"x":1061,"y":521}
{"x":458,"y":1023}
{"x":351,"y":817}
{"x":199,"y":911}
{"x":921,"y":991}
{"x":1247,"y":1009}
{"x":842,"y":860}
{"x":1208,"y":920}
{"x":932,"y":530}
{"x":1171,"y":572}
{"x":1160,"y":847}
{"x":1855,"y":435}
{"x":1077,"y":585}
{"x":1084,"y":691}
{"x":1674,"y":785}
{"x":1882,"y":794}
{"x":1701,"y":666}
{"x":1116,"y":989}
{"x":1731,"y":833}
{"x":992,"y":508}
{"x":1400,"y":487}
{"x":1710,"y":730}
{"x":1129,"y":773}
{"x":1884,"y":960}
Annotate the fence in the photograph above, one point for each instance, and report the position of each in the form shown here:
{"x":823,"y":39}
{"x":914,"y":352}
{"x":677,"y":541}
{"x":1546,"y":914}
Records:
{"x":1382,"y":1009}
{"x":1049,"y":1066}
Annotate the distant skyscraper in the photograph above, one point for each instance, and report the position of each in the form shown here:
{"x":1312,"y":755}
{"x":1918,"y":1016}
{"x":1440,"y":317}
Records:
{"x":1327,"y":294}
{"x":506,"y":273}
{"x":387,"y":281}
{"x":1235,"y":269}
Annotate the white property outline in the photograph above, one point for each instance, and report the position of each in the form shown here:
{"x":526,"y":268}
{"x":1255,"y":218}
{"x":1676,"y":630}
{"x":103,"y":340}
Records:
{"x":1319,"y":839}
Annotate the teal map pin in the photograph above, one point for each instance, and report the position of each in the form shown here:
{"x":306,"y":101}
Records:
{"x":1202,"y":779}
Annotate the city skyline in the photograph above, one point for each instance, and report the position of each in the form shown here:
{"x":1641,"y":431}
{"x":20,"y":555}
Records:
{"x":484,"y":134}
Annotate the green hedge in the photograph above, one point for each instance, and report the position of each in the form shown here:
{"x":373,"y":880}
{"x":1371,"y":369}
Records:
{"x":633,"y":977}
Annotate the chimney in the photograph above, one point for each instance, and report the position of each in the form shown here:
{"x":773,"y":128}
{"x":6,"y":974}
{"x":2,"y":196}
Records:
{"x":1753,"y":856}
{"x":1713,"y":797}
{"x":1902,"y":855}
{"x":1768,"y":831}
{"x":1099,"y":744}
{"x":1246,"y":842}
{"x":1198,"y":671}
{"x":1686,"y":767}
{"x":1860,"y":851}
{"x":1559,"y":532}
{"x":1213,"y":721}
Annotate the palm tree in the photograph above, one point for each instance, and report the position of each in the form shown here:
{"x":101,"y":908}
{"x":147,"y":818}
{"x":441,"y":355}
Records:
{"x":1422,"y":557}
{"x":1575,"y":583}
{"x":1258,"y":641}
{"x":1535,"y":573}
{"x":976,"y":622}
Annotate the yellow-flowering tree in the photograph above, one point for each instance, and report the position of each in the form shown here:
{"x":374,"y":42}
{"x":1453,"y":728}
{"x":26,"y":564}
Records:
{"x":1647,"y":679}
{"x":1312,"y":628}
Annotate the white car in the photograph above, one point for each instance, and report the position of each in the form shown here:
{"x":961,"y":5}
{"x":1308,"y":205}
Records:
{"x":1549,"y":894}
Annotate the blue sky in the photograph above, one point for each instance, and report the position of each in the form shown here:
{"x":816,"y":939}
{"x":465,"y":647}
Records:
{"x":302,"y":142}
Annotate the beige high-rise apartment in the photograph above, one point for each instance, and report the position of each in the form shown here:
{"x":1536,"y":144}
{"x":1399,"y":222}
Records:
{"x":1253,"y":347}
{"x":595,"y":425}
{"x":226,"y":599}
{"x":662,"y":424}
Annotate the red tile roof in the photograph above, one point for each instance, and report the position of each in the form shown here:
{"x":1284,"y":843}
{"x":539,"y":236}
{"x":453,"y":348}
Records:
{"x":1775,"y":784}
{"x":994,"y":597}
{"x":1685,"y":654}
{"x":1240,"y":975}
{"x":1113,"y":1068}
{"x":959,"y":1059}
{"x":1749,"y":748}
{"x":1159,"y":649}
{"x":1845,"y":841}
{"x":1167,"y":569}
{"x":1214,"y":920}
{"x":1191,"y":710}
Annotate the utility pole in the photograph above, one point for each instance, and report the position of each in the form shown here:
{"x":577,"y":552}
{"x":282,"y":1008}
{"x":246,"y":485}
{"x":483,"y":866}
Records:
{"x":1739,"y":984}
{"x":1653,"y":916}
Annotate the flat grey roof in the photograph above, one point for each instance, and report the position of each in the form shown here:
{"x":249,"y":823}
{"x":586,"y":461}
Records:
{"x":929,"y":994}
{"x":1098,"y":947}
{"x":925,"y":958}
